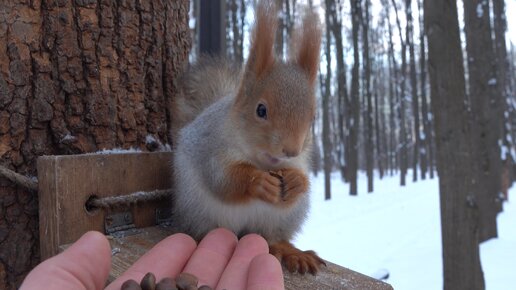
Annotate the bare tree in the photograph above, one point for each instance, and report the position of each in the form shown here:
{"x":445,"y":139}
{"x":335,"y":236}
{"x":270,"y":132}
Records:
{"x":459,"y":206}
{"x":413,"y":87}
{"x":342,"y":91}
{"x":403,"y":138}
{"x":485,"y":101}
{"x":354,"y":110}
{"x":327,"y":160}
{"x":368,"y":118}
{"x":427,"y":151}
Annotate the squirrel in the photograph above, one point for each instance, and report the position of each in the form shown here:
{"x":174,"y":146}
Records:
{"x":243,"y":141}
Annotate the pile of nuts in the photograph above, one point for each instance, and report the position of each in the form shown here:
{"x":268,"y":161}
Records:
{"x":183,"y":281}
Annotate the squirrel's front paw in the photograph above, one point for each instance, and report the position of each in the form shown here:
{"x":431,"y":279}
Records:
{"x":295,"y":183}
{"x":265,"y":187}
{"x":296,"y":260}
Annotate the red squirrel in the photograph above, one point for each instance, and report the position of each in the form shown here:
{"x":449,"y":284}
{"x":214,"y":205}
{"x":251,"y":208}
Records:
{"x":243,"y":141}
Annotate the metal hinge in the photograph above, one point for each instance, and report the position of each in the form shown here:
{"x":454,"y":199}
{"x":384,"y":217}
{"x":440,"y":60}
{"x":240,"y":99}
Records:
{"x":120,"y":221}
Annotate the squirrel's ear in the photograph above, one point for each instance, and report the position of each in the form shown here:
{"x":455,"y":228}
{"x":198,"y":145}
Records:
{"x":307,"y":44}
{"x":261,"y":55}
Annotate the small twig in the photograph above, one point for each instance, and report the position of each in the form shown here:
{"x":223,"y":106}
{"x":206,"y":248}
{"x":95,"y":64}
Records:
{"x":19,"y":179}
{"x":128,"y":199}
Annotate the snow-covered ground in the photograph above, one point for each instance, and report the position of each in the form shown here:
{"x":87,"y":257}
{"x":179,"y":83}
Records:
{"x":398,"y":229}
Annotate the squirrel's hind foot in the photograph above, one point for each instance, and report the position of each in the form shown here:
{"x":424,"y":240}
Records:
{"x":296,"y":260}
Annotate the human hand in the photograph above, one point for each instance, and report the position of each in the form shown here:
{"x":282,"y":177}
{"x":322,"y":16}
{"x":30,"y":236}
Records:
{"x":219,"y":261}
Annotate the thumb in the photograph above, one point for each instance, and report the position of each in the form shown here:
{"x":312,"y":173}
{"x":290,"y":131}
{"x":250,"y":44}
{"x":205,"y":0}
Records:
{"x":85,"y":265}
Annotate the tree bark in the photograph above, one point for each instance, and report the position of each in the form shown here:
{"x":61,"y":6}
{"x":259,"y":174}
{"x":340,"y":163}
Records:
{"x":75,"y":77}
{"x":459,"y":205}
{"x":485,"y":101}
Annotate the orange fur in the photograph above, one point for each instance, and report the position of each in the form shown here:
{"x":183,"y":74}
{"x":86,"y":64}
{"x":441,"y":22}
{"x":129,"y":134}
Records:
{"x":307,"y":44}
{"x":245,"y":183}
{"x":296,"y":260}
{"x":295,"y":183}
{"x":261,"y":57}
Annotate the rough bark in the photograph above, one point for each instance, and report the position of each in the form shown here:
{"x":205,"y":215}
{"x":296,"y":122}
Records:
{"x":79,"y":76}
{"x":459,"y":205}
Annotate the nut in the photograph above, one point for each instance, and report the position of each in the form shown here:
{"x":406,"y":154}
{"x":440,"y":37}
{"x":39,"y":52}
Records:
{"x":185,"y":280}
{"x":166,"y":284}
{"x":148,"y":282}
{"x":131,"y":285}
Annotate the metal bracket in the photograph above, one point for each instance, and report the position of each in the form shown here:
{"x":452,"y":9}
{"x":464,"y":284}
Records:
{"x":120,"y":221}
{"x":163,"y":216}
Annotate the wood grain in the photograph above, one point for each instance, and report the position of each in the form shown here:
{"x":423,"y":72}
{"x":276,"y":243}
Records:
{"x":66,"y":183}
{"x":130,"y":248}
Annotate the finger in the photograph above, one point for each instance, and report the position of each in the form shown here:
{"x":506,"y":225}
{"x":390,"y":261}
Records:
{"x":211,"y":256}
{"x":265,"y":273}
{"x":166,"y":259}
{"x":235,"y":274}
{"x":84,"y":265}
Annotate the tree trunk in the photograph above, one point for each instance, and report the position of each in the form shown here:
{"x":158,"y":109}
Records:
{"x":426,"y":142}
{"x":485,"y":101}
{"x":327,"y":160}
{"x":393,"y":94}
{"x":342,"y":91}
{"x":459,"y":206}
{"x":413,"y":87}
{"x":280,"y":33}
{"x":503,"y":76}
{"x":354,"y":109}
{"x":75,"y":77}
{"x":369,"y":149}
{"x":403,"y":140}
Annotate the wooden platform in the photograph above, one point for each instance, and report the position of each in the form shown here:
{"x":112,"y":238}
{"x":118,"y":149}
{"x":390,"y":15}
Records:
{"x":66,"y":183}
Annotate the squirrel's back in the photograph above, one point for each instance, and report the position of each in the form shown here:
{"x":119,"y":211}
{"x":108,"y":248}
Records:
{"x":202,"y":84}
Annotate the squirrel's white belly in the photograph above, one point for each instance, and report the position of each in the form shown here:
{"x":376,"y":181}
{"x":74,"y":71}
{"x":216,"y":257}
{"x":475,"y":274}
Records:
{"x":201,"y":211}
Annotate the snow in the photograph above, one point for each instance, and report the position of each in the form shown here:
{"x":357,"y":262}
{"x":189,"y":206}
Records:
{"x":68,"y":137}
{"x":396,"y":231}
{"x":117,"y":151}
{"x":491,"y":82}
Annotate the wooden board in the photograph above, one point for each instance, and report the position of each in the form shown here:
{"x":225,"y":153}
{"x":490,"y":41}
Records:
{"x":127,"y":249}
{"x":66,"y":183}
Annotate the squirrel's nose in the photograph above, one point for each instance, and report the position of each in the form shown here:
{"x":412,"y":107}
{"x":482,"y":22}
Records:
{"x":291,"y":152}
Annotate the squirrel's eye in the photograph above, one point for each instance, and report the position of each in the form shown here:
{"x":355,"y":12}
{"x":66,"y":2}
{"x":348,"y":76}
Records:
{"x":261,"y":111}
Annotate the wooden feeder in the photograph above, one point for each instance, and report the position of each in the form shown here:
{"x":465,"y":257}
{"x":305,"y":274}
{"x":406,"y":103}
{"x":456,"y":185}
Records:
{"x":69,"y":185}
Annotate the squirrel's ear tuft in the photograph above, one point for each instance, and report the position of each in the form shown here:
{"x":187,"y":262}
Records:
{"x":261,"y":55}
{"x":307,"y":44}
